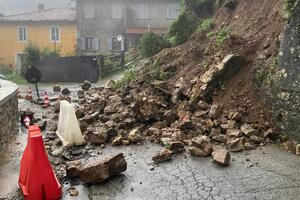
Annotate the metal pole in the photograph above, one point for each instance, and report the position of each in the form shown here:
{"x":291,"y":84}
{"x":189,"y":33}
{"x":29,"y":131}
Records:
{"x":37,"y":90}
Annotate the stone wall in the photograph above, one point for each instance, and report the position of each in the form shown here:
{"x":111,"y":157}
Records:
{"x":8,"y":112}
{"x":289,"y":66}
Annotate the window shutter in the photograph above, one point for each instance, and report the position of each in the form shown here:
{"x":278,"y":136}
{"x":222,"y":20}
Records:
{"x":109,"y":44}
{"x":82,"y":43}
{"x":97,"y":44}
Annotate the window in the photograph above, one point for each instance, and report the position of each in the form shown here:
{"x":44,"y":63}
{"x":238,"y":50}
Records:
{"x":143,"y":11}
{"x":22,"y":33}
{"x":88,"y":11}
{"x":92,"y":43}
{"x":55,"y":34}
{"x":116,"y":11}
{"x":173,"y":11}
{"x":116,"y":44}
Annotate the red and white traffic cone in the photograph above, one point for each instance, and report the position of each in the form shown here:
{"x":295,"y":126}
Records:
{"x":29,"y":94}
{"x":26,"y":121}
{"x":46,"y":101}
{"x":19,"y":94}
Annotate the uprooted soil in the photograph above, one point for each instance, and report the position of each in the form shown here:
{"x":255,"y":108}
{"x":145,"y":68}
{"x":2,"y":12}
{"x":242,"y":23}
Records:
{"x":255,"y":34}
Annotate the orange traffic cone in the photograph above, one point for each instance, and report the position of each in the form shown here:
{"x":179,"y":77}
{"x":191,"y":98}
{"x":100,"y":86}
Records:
{"x":37,"y":179}
{"x":46,"y":101}
{"x":29,"y":94}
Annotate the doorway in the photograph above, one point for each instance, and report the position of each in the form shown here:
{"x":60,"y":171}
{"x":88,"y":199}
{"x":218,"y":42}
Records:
{"x":20,"y":62}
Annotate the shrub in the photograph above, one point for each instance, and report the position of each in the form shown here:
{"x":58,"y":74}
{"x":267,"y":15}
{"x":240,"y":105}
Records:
{"x":151,"y":43}
{"x":47,"y":52}
{"x":206,"y":26}
{"x":288,"y":7}
{"x":181,"y":29}
{"x":129,"y":75}
{"x":33,"y":55}
{"x":222,"y":35}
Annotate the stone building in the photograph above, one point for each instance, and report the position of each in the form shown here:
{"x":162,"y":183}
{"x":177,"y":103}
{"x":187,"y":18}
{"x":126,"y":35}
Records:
{"x":114,"y":25}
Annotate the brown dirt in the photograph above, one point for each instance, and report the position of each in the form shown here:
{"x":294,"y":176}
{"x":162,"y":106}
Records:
{"x":256,"y":26}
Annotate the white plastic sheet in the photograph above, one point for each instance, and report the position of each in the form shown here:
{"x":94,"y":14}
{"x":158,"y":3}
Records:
{"x":68,"y":129}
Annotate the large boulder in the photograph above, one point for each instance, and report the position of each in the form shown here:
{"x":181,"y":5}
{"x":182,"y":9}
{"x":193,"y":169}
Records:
{"x":97,"y":171}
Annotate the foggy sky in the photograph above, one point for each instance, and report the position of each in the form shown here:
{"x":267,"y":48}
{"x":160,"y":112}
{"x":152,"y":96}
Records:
{"x":9,"y":7}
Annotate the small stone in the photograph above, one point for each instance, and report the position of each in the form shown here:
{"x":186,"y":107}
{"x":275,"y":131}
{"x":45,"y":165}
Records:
{"x":66,"y":91}
{"x":96,"y":136}
{"x":117,"y":141}
{"x":248,"y":146}
{"x":126,"y":142}
{"x":298,"y":149}
{"x":79,"y":113}
{"x":256,"y":139}
{"x":221,"y":157}
{"x":110,"y":84}
{"x":80,"y":94}
{"x":194,"y":151}
{"x":73,"y":192}
{"x":214,"y":111}
{"x":165,"y":141}
{"x":152,"y":168}
{"x":56,"y":88}
{"x":249,"y":130}
{"x":234,"y":133}
{"x":134,"y":136}
{"x":56,"y":152}
{"x":176,"y":147}
{"x":236,"y":145}
{"x":163,"y":156}
{"x":220,"y":138}
{"x":203,"y":106}
{"x":86,"y":85}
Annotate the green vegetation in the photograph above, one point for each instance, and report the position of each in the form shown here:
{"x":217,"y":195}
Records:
{"x":206,"y":26}
{"x":288,"y":8}
{"x":129,"y":75}
{"x":151,"y":43}
{"x":267,"y":76}
{"x":222,"y":35}
{"x":181,"y":29}
{"x":33,"y":54}
{"x":16,"y":78}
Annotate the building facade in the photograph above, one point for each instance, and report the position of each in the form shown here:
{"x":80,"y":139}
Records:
{"x":54,"y":29}
{"x":114,"y":25}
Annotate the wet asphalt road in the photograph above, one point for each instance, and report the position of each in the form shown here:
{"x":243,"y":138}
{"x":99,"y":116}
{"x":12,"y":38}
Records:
{"x":269,"y":174}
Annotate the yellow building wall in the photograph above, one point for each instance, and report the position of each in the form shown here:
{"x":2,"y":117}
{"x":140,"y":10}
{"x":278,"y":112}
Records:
{"x":37,"y":34}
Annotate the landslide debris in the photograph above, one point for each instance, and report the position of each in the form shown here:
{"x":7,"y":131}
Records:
{"x":198,"y":97}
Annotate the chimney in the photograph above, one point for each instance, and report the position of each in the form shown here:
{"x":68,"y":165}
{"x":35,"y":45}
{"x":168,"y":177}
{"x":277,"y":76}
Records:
{"x":41,"y":7}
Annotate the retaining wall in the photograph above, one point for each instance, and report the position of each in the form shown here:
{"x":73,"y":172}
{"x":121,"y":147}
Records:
{"x":8,"y":111}
{"x":289,"y":65}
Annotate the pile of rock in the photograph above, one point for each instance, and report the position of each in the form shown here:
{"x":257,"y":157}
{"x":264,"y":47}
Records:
{"x":178,"y":118}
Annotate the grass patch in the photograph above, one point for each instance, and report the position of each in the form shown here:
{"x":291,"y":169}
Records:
{"x":206,"y":26}
{"x":222,"y":35}
{"x":16,"y":78}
